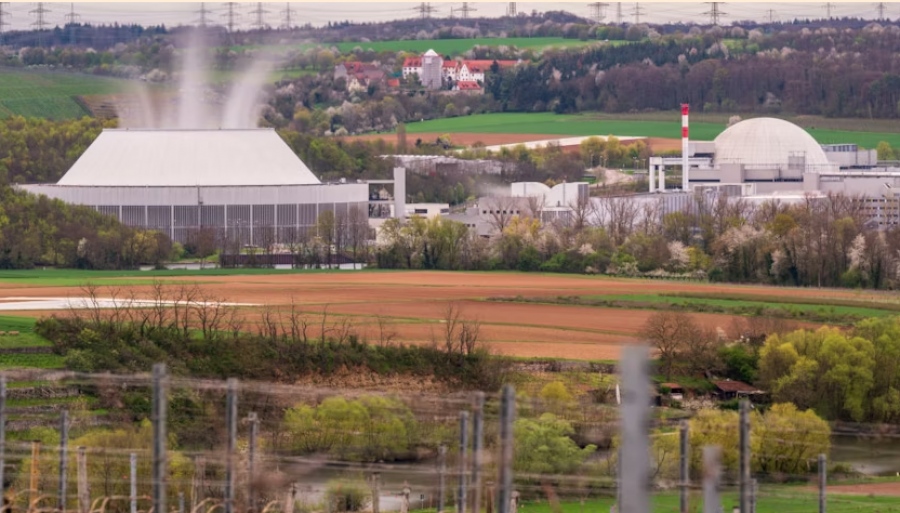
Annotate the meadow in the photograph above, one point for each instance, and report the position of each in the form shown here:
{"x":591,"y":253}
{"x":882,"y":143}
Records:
{"x":50,"y":94}
{"x":598,"y":124}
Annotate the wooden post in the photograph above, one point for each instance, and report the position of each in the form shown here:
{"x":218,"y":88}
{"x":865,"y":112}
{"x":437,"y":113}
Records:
{"x":84,"y":494}
{"x":712,"y":475}
{"x":35,"y":474}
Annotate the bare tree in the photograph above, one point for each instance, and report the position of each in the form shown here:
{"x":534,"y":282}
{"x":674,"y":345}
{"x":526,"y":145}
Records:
{"x":671,"y":333}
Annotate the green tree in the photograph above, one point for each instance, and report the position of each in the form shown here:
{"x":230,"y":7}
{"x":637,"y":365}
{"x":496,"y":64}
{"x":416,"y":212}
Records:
{"x":827,"y":370}
{"x":885,"y":151}
{"x":370,"y":428}
{"x":545,"y":446}
{"x":786,"y":439}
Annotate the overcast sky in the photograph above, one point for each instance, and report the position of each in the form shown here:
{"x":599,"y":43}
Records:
{"x":20,"y":14}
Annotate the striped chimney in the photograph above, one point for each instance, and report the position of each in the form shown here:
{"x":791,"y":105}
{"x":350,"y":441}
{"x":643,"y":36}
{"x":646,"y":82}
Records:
{"x":685,"y":109}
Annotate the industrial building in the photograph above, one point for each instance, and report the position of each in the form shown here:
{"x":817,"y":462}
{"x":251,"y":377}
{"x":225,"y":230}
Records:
{"x":764,"y":159}
{"x":243,"y":185}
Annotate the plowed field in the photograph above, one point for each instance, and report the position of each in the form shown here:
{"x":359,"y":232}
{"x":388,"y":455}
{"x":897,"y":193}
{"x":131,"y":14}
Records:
{"x":414,"y":305}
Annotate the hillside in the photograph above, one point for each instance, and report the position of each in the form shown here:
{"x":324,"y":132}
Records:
{"x":50,"y":94}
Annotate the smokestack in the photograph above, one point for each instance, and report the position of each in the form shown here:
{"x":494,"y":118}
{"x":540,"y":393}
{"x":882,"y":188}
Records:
{"x":400,"y":193}
{"x":685,"y":109}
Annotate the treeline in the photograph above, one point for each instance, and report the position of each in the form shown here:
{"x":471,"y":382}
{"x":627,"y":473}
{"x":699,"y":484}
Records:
{"x":36,"y":231}
{"x":35,"y":150}
{"x":825,"y":72}
{"x":821,"y":242}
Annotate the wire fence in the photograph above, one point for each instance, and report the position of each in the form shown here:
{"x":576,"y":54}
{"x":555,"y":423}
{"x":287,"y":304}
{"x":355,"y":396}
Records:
{"x":155,"y":442}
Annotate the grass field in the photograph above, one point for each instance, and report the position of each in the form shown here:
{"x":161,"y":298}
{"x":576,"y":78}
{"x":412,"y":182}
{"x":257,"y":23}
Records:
{"x":778,"y":499}
{"x":50,"y":94}
{"x":595,"y":124}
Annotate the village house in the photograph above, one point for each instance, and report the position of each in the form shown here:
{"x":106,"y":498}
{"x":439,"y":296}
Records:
{"x":359,"y":75}
{"x":451,"y":71}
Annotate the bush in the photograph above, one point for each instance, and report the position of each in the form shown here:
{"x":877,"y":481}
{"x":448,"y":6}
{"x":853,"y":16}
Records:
{"x":346,"y":495}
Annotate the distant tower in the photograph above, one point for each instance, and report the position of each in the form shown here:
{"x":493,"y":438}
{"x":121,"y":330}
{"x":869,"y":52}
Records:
{"x":828,"y":6}
{"x":714,"y":12}
{"x":3,"y":15}
{"x":685,"y":146}
{"x":432,"y":65}
{"x":597,"y":11}
{"x":70,"y":19}
{"x":637,"y":12}
{"x":424,"y":9}
{"x":466,"y":10}
{"x":40,"y":23}
{"x":511,"y":9}
{"x":259,"y":11}
{"x":618,"y":13}
{"x":287,"y":16}
{"x":203,"y":12}
{"x":770,"y":16}
{"x":230,"y":16}
{"x":880,"y":6}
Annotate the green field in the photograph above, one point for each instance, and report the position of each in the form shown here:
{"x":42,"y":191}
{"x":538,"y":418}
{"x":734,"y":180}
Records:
{"x":773,"y":499}
{"x":50,"y":94}
{"x":76,"y":277}
{"x":597,"y":124}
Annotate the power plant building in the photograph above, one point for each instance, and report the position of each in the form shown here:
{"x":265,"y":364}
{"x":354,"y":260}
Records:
{"x":243,"y":185}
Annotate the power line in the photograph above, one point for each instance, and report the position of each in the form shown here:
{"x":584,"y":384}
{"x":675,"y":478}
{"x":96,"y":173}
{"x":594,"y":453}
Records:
{"x":203,"y":12}
{"x":770,"y":16}
{"x":880,"y":6}
{"x":828,"y":6}
{"x":714,"y":12}
{"x":2,"y":21}
{"x":597,"y":11}
{"x":40,"y":23}
{"x":618,"y":13}
{"x":466,"y":9}
{"x":259,"y":11}
{"x":511,"y":9}
{"x":287,"y":16}
{"x":230,"y":15}
{"x":637,"y":12}
{"x":70,"y":19}
{"x":425,"y":9}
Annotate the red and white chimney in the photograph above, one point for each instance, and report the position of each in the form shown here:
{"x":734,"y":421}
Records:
{"x":685,"y":165}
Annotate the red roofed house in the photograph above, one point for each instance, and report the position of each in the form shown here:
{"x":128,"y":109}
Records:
{"x":468,"y":86}
{"x":735,"y":389}
{"x":412,"y":66}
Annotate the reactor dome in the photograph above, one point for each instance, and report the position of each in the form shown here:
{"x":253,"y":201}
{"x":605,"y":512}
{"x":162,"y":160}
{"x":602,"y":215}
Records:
{"x":765,"y":142}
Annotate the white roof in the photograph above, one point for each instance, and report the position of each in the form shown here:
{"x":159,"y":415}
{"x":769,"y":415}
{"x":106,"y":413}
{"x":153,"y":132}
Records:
{"x":430,"y":53}
{"x":188,"y":158}
{"x":767,"y":141}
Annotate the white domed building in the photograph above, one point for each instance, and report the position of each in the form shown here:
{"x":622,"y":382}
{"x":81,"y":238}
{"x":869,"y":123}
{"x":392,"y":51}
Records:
{"x":769,"y":142}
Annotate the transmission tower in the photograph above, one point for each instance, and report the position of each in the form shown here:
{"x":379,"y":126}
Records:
{"x":287,"y":16}
{"x":465,"y":10}
{"x":70,"y":20}
{"x":637,"y":12}
{"x":424,"y":9}
{"x":203,"y":12}
{"x":511,"y":9}
{"x":230,"y":16}
{"x":3,"y":21}
{"x":259,"y":11}
{"x":597,"y":11}
{"x":40,"y":22}
{"x":770,"y":15}
{"x":880,"y":6}
{"x":618,"y":13}
{"x":828,"y":6}
{"x":714,"y":12}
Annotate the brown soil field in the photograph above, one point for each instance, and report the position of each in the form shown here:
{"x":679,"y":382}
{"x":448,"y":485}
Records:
{"x":414,"y":304}
{"x":889,"y":489}
{"x":659,"y":144}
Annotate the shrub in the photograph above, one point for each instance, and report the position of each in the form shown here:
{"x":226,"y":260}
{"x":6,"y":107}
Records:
{"x":346,"y":495}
